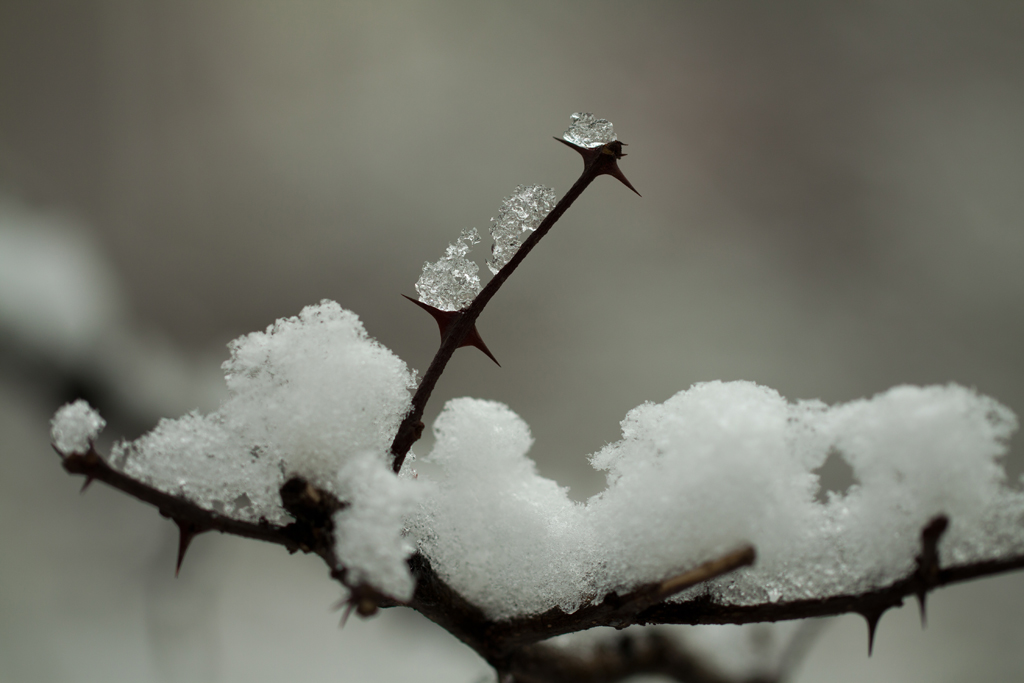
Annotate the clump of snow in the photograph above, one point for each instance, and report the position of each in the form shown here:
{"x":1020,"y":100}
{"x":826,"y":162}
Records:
{"x":506,"y":538}
{"x":586,"y":130}
{"x":521,"y":212}
{"x":75,"y":427}
{"x":713,"y":467}
{"x":369,"y":532}
{"x":307,"y":396}
{"x":451,"y":283}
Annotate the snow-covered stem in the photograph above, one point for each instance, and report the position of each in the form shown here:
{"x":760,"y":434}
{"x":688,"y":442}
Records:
{"x":411,"y":427}
{"x":327,"y":509}
{"x":177,"y":508}
{"x":513,"y":645}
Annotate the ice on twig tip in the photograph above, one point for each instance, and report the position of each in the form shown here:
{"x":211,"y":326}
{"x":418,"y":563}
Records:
{"x":451,"y":283}
{"x":522,"y":211}
{"x":75,"y":426}
{"x":586,"y":130}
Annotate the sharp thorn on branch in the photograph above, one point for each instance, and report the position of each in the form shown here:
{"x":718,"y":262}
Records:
{"x":615,"y":172}
{"x":349,"y":608}
{"x":85,"y":484}
{"x":928,"y":560}
{"x":872,"y":618}
{"x":607,"y":157}
{"x":186,"y":532}
{"x":445,"y":319}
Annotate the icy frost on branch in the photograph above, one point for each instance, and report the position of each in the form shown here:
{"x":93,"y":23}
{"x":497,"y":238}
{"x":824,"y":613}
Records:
{"x":586,"y":130}
{"x":451,"y":283}
{"x":521,"y":212}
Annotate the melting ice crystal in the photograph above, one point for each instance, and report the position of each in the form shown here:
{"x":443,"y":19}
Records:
{"x":523,"y":210}
{"x":451,"y":283}
{"x":586,"y":130}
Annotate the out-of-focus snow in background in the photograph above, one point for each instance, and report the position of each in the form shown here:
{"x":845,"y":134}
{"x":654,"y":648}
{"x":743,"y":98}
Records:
{"x":831,"y":206}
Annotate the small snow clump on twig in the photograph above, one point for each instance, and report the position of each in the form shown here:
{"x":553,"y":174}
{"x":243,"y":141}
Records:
{"x":75,"y":426}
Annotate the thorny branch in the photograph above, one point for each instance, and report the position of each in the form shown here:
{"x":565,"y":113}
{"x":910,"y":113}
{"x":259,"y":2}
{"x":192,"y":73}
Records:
{"x":597,"y":161}
{"x":514,"y":645}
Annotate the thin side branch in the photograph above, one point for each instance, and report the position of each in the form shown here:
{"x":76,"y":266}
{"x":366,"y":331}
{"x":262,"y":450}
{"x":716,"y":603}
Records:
{"x":497,"y":640}
{"x":601,"y":161}
{"x":179,"y":509}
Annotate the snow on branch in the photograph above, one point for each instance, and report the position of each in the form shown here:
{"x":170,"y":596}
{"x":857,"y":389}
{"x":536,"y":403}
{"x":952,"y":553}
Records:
{"x":305,"y":452}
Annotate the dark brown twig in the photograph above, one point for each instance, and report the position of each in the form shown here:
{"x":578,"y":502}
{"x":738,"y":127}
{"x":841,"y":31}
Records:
{"x":598,"y":161}
{"x":514,"y":646}
{"x":177,"y":508}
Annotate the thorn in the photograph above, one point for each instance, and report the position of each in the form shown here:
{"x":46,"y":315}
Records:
{"x":446,"y":318}
{"x":928,"y":560}
{"x":616,"y":173}
{"x":872,"y":618}
{"x":186,"y":532}
{"x":607,"y":156}
{"x":474,"y":339}
{"x":85,"y":484}
{"x":349,"y":607}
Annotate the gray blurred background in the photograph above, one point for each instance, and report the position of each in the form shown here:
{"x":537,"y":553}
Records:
{"x":832,"y":205}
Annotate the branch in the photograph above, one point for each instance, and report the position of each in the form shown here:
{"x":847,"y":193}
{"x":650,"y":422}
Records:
{"x":597,"y":161}
{"x":513,"y":645}
{"x":497,"y":640}
{"x":705,"y":610}
{"x":870,"y":604}
{"x":308,"y":533}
